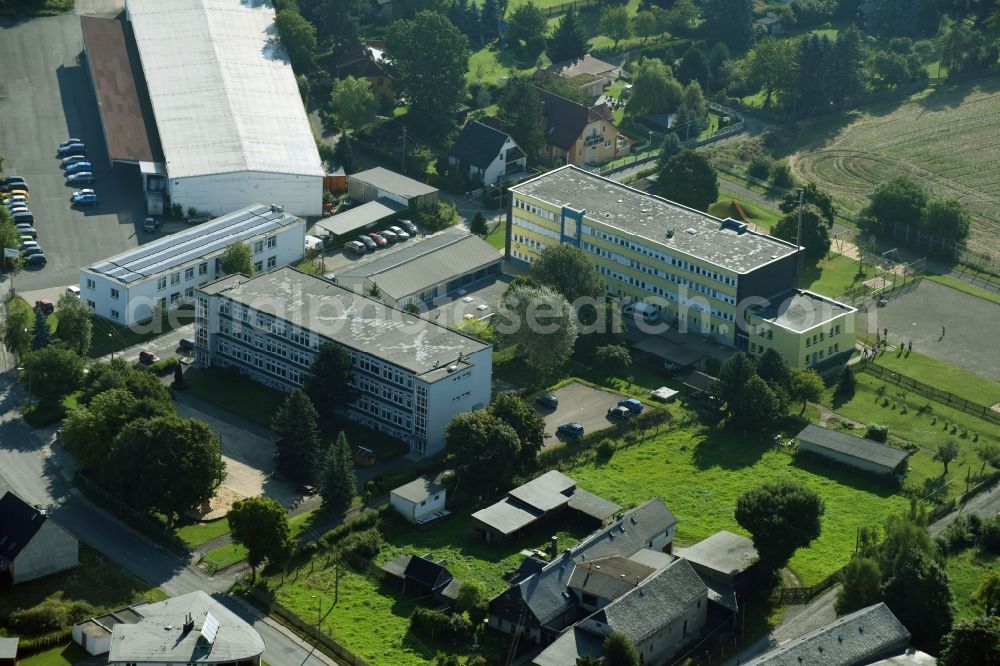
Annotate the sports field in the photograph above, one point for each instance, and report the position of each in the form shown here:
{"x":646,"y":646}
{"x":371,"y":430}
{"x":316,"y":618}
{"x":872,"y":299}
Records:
{"x":947,"y":139}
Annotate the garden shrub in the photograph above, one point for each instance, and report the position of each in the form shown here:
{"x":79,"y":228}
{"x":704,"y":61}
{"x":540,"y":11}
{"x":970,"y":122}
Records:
{"x":989,"y":535}
{"x":760,"y":167}
{"x":606,"y":449}
{"x":430,"y":624}
{"x":48,"y":616}
{"x":877,"y":433}
{"x":964,"y":533}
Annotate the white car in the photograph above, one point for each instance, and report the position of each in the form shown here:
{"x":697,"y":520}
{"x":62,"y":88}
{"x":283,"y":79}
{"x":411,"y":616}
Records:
{"x":73,"y":159}
{"x":400,"y":234}
{"x":73,"y":290}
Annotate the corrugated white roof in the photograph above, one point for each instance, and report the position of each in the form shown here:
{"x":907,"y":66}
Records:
{"x":225,"y":99}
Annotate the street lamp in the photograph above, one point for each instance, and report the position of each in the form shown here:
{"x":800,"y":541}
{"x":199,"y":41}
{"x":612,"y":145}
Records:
{"x":111,"y":342}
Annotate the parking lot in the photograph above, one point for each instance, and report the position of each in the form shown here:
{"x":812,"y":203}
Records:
{"x":582,"y":404}
{"x":45,"y":97}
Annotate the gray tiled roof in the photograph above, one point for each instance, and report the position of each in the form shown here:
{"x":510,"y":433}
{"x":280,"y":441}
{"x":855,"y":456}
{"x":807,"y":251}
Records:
{"x":592,"y":505}
{"x":660,"y":600}
{"x":418,"y":490}
{"x":852,"y":640}
{"x":392,"y":182}
{"x":544,"y":592}
{"x":478,"y":144}
{"x":571,"y":644}
{"x":546,"y":492}
{"x":724,"y":552}
{"x":857,"y":447}
{"x":507,"y":516}
{"x":360,"y":217}
{"x":609,"y":577}
{"x":912,"y":657}
{"x":619,"y":206}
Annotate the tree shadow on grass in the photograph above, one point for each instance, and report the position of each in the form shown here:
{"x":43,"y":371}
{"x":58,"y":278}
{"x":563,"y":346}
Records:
{"x":952,"y":94}
{"x":847,"y":476}
{"x":728,"y":449}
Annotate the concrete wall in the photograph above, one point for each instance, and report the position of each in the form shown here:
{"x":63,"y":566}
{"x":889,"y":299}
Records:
{"x":218,"y":194}
{"x":414,"y":510}
{"x":464,"y":391}
{"x":850,"y":461}
{"x":802,"y":349}
{"x":51,"y":550}
{"x":137,"y":302}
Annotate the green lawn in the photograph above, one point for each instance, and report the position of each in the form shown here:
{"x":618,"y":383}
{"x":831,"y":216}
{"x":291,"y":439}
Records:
{"x":498,"y":237}
{"x":965,"y":569}
{"x":96,"y":586}
{"x":198,"y":533}
{"x":758,"y":214}
{"x":965,"y":287}
{"x":940,"y":375}
{"x":831,"y":276}
{"x":60,"y":655}
{"x":225,"y":556}
{"x":700,"y":472}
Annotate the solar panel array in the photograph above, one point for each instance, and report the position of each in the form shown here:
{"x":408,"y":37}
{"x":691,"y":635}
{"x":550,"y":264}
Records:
{"x":201,"y":241}
{"x":209,"y":628}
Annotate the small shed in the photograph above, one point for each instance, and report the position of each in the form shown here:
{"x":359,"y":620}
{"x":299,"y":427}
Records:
{"x":419,"y":501}
{"x":423,"y":577}
{"x":724,"y":556}
{"x":856,"y":452}
{"x":357,"y":220}
{"x":32,"y":545}
{"x":8,"y":651}
{"x":364,"y":457}
{"x":381,"y":183}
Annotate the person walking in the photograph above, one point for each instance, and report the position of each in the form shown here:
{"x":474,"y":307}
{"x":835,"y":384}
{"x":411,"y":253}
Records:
{"x":942,"y":330}
{"x":909,"y":346}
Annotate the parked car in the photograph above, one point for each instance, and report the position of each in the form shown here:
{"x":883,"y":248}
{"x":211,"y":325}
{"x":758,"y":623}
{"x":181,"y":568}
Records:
{"x":16,"y":185}
{"x":69,"y":142}
{"x":147,"y":357}
{"x":72,"y":149}
{"x":388,"y":236}
{"x":15,"y":200}
{"x":28,"y":243}
{"x":33,"y":250}
{"x":84,"y":198}
{"x":27,"y":230}
{"x":367,"y":242}
{"x":73,"y":159}
{"x":16,"y":191}
{"x":7,"y":181}
{"x":409,"y":226}
{"x":35,"y":260}
{"x":357,"y":247}
{"x":400,"y":234}
{"x":378,"y":240}
{"x":619,"y":413}
{"x":73,"y":290}
{"x":23,"y":217}
{"x":77,"y":167}
{"x":45,"y":306}
{"x":186,"y":344}
{"x":570,"y":429}
{"x":150,"y":224}
{"x":81,"y":177}
{"x":18,"y":208}
{"x":631,"y":404}
{"x":547,"y":400}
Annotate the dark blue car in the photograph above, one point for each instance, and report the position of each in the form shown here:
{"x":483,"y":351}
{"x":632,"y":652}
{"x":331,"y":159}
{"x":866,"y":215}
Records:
{"x":631,"y":404}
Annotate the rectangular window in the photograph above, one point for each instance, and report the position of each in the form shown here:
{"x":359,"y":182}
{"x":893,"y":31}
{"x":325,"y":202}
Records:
{"x":258,"y":247}
{"x":258,"y":266}
{"x":203,"y":268}
{"x":92,"y":305}
{"x":189,"y":273}
{"x":189,"y":292}
{"x":114,"y":314}
{"x":114,"y":293}
{"x":175,"y":278}
{"x":174,"y":297}
{"x":272,"y":242}
{"x":272,"y":262}
{"x":161,"y":284}
{"x":91,"y":284}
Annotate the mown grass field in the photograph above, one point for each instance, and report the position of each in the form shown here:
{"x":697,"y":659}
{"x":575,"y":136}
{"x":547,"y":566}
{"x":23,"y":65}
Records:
{"x":760,"y":216}
{"x":965,"y":570}
{"x":61,"y":655}
{"x":944,"y":138}
{"x":831,"y":276}
{"x":965,"y":384}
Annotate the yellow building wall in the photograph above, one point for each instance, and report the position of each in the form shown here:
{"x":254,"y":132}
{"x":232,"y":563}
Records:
{"x":807,"y":348}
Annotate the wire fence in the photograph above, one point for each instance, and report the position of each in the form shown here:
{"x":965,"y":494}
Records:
{"x":872,"y":367}
{"x":556,"y":10}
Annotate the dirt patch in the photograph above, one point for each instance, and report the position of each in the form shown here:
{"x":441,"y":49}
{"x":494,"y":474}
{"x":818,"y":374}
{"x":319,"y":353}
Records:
{"x":218,"y":506}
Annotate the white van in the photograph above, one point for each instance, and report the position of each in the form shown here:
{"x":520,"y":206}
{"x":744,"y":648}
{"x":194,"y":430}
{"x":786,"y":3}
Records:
{"x":641,"y":310}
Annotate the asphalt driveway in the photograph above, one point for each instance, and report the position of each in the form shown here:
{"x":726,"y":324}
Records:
{"x":579,"y":403}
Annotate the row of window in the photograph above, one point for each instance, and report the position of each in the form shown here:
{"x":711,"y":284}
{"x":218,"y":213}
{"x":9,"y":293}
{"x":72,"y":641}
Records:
{"x":523,"y":256}
{"x":260,"y":361}
{"x":819,"y":337}
{"x":660,"y":291}
{"x":384,"y":412}
{"x":270,"y":241}
{"x":817,"y":356}
{"x":534,"y":210}
{"x":382,"y":370}
{"x":247,"y":315}
{"x":683,"y":264}
{"x":175,"y":277}
{"x":535,"y":228}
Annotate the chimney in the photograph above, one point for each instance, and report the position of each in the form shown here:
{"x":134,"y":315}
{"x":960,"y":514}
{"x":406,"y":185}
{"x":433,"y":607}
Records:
{"x":188,"y":623}
{"x":553,"y":547}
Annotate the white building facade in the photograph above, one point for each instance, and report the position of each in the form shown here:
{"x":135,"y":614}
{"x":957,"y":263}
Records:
{"x":412,"y":376}
{"x":129,"y":288}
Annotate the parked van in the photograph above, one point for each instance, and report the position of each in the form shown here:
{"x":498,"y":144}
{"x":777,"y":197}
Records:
{"x":641,"y":310}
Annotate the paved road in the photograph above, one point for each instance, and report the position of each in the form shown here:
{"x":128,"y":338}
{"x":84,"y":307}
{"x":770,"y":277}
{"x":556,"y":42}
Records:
{"x":40,"y":472}
{"x":986,"y":504}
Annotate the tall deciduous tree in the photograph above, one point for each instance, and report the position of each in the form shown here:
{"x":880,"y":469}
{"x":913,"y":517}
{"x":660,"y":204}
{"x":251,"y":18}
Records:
{"x":861,"y":585}
{"x":53,"y":372}
{"x":988,"y":593}
{"x":353,"y":102}
{"x":298,"y":37}
{"x":917,"y":591}
{"x":974,"y":642}
{"x":260,"y":525}
{"x":654,"y":89}
{"x":810,"y":195}
{"x":119,"y":373}
{"x":781,"y":518}
{"x":733,"y":374}
{"x":689,"y":179}
{"x":898,"y":201}
{"x":806,"y":386}
{"x":526,"y":422}
{"x":237,"y":258}
{"x":520,"y":108}
{"x":728,"y":21}
{"x":484,"y":452}
{"x":756,"y":407}
{"x":539,"y":322}
{"x":945,"y":219}
{"x":615,"y":23}
{"x":74,"y":326}
{"x":527,"y":28}
{"x":569,"y":40}
{"x":329,"y":383}
{"x":815,"y":233}
{"x":296,"y":438}
{"x":619,"y":650}
{"x":646,"y":25}
{"x":338,"y":483}
{"x":434,"y":92}
{"x":17,"y":331}
{"x":569,"y":271}
{"x":770,"y":65}
{"x":946,"y":453}
{"x":694,"y":67}
{"x":773,"y":369}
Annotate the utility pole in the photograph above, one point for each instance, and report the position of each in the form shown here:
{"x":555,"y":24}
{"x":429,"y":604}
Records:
{"x":798,"y":240}
{"x":404,"y":149}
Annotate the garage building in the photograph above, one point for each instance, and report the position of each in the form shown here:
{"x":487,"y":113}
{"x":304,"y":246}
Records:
{"x":857,"y":452}
{"x":381,"y":183}
{"x":228,"y":125}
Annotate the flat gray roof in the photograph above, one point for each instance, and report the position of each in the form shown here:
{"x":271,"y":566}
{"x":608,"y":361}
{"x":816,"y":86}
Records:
{"x":651,"y":217}
{"x":724,"y":552}
{"x":352,"y":320}
{"x":802,"y":310}
{"x":200,"y":241}
{"x":856,"y":447}
{"x":395,"y":183}
{"x":546,"y":492}
{"x":8,"y":648}
{"x":507,"y":516}
{"x":424,"y":264}
{"x":418,"y":490}
{"x":592,"y":505}
{"x":361,"y":217}
{"x":160,"y":636}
